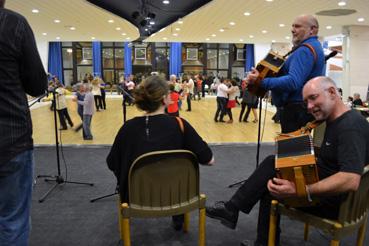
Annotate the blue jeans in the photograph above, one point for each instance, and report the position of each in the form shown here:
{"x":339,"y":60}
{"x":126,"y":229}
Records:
{"x":16,"y":177}
{"x":87,"y":126}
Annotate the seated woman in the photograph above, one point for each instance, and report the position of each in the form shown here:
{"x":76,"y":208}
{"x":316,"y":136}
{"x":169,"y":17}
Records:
{"x":154,"y":131}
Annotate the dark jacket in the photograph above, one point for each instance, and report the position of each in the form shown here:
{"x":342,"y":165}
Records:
{"x":21,"y":72}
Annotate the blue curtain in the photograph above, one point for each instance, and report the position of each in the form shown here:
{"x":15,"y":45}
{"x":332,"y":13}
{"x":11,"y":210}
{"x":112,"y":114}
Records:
{"x":55,"y":60}
{"x":96,"y":58}
{"x":250,"y":57}
{"x":175,"y":60}
{"x":127,"y":60}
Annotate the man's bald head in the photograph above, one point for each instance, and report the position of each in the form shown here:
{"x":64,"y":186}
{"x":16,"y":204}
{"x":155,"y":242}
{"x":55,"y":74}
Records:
{"x":303,"y":27}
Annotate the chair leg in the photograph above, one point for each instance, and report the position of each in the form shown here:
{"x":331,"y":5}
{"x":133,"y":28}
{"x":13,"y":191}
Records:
{"x":186,"y":223}
{"x":272,"y":223}
{"x":202,"y":227}
{"x":361,"y":233}
{"x":125,"y":228}
{"x":335,"y":243}
{"x":306,"y":231}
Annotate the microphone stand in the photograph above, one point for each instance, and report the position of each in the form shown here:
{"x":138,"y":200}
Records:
{"x":58,"y":179}
{"x":258,"y":145}
{"x":125,"y":96}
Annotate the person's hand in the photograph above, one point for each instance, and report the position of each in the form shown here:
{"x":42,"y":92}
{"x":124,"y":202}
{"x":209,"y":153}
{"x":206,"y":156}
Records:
{"x":252,"y":76}
{"x":281,"y":188}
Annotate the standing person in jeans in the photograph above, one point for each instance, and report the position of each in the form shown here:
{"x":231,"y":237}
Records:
{"x":222,"y":99}
{"x":88,"y":111}
{"x":21,"y":72}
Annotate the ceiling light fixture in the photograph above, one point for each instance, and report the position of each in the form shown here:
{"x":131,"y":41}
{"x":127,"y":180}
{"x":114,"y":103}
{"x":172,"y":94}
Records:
{"x":93,"y":38}
{"x":264,"y":31}
{"x":111,"y":21}
{"x":287,"y":37}
{"x":361,"y":19}
{"x":232,"y":23}
{"x":56,"y":21}
{"x":328,"y":27}
{"x":35,"y":11}
{"x":221,"y":30}
{"x":178,"y":29}
{"x":124,"y":34}
{"x":241,"y":40}
{"x":213,"y":35}
{"x":162,"y":29}
{"x":269,"y":0}
{"x":247,"y":14}
{"x":72,"y":28}
{"x":175,"y":34}
{"x":180,"y":22}
{"x":341,"y":3}
{"x":282,"y":25}
{"x":117,"y":28}
{"x":128,"y":38}
{"x":164,"y":38}
{"x":166,"y":2}
{"x":57,"y":38}
{"x":273,"y":41}
{"x":251,"y":36}
{"x":44,"y":33}
{"x":207,"y":39}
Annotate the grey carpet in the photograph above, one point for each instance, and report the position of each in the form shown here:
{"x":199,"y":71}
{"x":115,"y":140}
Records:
{"x":67,"y":217}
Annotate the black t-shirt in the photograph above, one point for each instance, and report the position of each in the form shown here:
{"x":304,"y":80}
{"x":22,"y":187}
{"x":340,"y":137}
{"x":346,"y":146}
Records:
{"x":345,"y":146}
{"x":141,"y":135}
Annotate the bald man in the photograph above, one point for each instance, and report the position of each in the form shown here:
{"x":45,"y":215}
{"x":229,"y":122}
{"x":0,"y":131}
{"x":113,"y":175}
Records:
{"x":305,"y":62}
{"x":344,"y":153}
{"x":21,"y":72}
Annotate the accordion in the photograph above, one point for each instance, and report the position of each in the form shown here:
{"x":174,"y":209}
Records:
{"x":268,"y":67}
{"x":295,"y":161}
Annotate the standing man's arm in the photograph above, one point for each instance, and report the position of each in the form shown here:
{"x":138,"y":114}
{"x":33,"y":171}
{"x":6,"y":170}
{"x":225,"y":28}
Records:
{"x":33,"y":76}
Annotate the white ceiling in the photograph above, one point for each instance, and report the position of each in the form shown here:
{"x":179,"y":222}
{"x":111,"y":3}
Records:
{"x":91,"y":21}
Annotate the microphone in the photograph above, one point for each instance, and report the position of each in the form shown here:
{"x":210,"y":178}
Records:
{"x":330,"y":55}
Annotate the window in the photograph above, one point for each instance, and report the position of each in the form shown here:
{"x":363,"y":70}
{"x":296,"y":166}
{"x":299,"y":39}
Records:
{"x":140,"y":53}
{"x":212,"y":59}
{"x":192,"y":54}
{"x":223,"y":60}
{"x":86,"y":53}
{"x":67,"y":57}
{"x":108,"y":58}
{"x":240,"y":55}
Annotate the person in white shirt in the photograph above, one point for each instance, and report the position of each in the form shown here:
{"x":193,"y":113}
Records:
{"x":61,"y":107}
{"x":190,"y":86}
{"x":222,"y":100}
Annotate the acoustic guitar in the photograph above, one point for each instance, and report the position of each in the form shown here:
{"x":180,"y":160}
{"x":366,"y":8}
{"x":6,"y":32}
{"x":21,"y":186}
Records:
{"x":268,"y":67}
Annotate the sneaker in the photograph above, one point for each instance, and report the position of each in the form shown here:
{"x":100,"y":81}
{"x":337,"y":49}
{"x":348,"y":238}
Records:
{"x":220,"y":212}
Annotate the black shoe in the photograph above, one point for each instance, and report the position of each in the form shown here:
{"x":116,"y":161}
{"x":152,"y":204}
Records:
{"x":177,"y":222}
{"x":220,"y":212}
{"x":215,"y":120}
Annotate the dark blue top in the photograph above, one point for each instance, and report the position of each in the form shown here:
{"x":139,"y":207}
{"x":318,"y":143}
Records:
{"x":300,"y":67}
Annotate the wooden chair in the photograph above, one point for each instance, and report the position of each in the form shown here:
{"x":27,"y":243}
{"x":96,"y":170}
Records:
{"x":353,"y":215}
{"x":163,"y":183}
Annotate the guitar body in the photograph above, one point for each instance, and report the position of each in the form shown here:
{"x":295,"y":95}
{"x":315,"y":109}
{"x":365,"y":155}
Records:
{"x":268,"y":67}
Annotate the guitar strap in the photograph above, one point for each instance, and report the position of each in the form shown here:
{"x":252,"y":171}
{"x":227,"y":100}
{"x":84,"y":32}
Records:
{"x":309,"y":46}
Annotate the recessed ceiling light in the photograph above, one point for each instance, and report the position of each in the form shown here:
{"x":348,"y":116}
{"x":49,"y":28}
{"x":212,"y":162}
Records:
{"x":341,"y":3}
{"x":44,"y":33}
{"x":251,"y":36}
{"x":221,"y":30}
{"x":57,"y":21}
{"x":328,"y":27}
{"x":178,"y":29}
{"x":180,"y":22}
{"x":247,"y":13}
{"x":57,"y":38}
{"x":124,"y":34}
{"x":241,"y":40}
{"x":213,"y":35}
{"x":232,"y":23}
{"x":166,"y":2}
{"x":111,"y":21}
{"x":175,"y":34}
{"x":35,"y":11}
{"x":152,"y":22}
{"x":264,"y":31}
{"x":287,"y":37}
{"x":164,"y":38}
{"x":207,"y":39}
{"x":72,"y":28}
{"x":117,"y":28}
{"x":360,"y":19}
{"x":128,"y":38}
{"x":273,"y":41}
{"x":282,"y":25}
{"x":93,"y":38}
{"x":269,"y":0}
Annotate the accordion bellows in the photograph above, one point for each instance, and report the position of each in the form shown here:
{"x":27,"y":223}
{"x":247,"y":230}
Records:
{"x":295,"y":161}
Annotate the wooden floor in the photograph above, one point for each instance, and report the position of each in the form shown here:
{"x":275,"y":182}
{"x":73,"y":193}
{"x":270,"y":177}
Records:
{"x":105,"y":124}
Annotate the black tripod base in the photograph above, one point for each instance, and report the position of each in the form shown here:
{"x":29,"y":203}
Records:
{"x":102,"y":197}
{"x":237,"y":183}
{"x":58,"y":181}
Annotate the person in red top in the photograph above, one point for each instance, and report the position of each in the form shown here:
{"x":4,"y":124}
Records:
{"x":172,"y":107}
{"x":199,"y":82}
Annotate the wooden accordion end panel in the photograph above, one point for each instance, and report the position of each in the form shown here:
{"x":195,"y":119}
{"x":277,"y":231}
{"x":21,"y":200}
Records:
{"x":269,"y":67}
{"x":295,"y":161}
